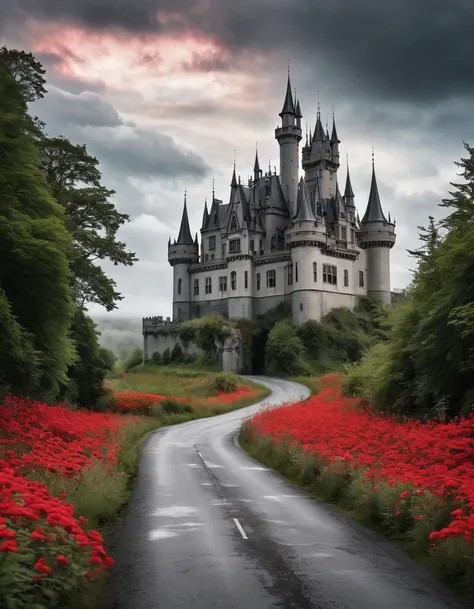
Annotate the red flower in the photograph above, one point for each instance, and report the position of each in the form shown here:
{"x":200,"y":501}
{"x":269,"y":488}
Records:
{"x":9,"y":546}
{"x":62,"y":560}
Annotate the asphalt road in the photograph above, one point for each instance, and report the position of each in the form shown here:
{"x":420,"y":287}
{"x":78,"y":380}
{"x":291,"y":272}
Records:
{"x":208,"y":527}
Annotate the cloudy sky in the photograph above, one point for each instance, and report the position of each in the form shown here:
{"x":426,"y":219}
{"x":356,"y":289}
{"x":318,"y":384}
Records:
{"x":163,"y":91}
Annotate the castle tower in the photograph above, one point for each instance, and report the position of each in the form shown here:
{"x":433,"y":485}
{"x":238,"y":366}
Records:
{"x":288,"y":137}
{"x":304,"y":238}
{"x":182,"y":253}
{"x":321,"y":160}
{"x":377,"y":237}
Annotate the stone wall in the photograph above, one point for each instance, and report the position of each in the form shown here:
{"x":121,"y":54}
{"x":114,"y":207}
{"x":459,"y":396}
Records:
{"x":159,"y":335}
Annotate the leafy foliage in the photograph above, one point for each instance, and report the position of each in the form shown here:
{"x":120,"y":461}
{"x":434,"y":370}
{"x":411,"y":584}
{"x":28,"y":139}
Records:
{"x":34,"y":245}
{"x":93,"y":221}
{"x":86,"y":376}
{"x":27,"y":72}
{"x":206,"y":332}
{"x":426,"y":367}
{"x":284,"y":352}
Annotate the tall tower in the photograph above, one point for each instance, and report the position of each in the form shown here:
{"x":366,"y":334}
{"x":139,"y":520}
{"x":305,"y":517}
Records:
{"x":182,"y":253}
{"x":377,"y":236}
{"x":304,"y":237}
{"x":321,"y":160}
{"x":288,"y":137}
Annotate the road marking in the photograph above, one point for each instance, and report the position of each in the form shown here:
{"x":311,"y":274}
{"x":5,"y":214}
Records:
{"x":240,"y":528}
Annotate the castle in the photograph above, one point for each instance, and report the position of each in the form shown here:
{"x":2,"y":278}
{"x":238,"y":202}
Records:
{"x":284,"y":237}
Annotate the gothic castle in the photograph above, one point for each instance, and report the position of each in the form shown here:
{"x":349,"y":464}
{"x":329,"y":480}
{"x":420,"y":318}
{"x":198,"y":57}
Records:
{"x":285,"y":238}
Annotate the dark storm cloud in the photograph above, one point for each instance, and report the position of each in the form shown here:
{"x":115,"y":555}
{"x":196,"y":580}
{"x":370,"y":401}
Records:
{"x":406,"y":49}
{"x":129,"y":149}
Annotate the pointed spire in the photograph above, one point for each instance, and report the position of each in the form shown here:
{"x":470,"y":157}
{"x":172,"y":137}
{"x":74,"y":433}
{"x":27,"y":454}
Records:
{"x":196,"y":239}
{"x":256,"y":166}
{"x":298,"y":110}
{"x":319,"y":134}
{"x":205,"y":215}
{"x":348,"y":192}
{"x":374,"y":212}
{"x":334,"y":137}
{"x":185,"y":236}
{"x":233,"y":182}
{"x":288,"y":104}
{"x":303,"y":213}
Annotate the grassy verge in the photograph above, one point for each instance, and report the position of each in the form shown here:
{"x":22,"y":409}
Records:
{"x":405,"y":522}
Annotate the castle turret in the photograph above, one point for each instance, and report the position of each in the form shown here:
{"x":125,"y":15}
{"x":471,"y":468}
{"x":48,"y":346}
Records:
{"x":335,"y":141}
{"x":349,"y":198}
{"x":257,"y":172}
{"x":182,"y":253}
{"x":289,"y":136}
{"x":305,"y":237}
{"x":377,"y":236}
{"x":321,"y":160}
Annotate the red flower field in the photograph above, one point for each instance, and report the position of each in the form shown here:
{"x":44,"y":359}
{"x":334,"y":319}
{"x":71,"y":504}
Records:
{"x":44,"y":545}
{"x":428,"y":456}
{"x":130,"y":401}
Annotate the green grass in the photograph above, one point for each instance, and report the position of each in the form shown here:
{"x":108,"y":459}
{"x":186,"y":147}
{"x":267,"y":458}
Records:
{"x":165,"y":380}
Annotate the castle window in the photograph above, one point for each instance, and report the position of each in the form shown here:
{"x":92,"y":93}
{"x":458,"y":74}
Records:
{"x":258,"y":281}
{"x":208,"y":285}
{"x":223,"y":250}
{"x":233,"y":280}
{"x":223,"y":283}
{"x":180,"y":285}
{"x":196,"y":287}
{"x":261,"y":248}
{"x":329,"y":274}
{"x":343,"y":233}
{"x":301,"y":306}
{"x":234,"y":245}
{"x":233,"y":223}
{"x":361,"y":279}
{"x":273,"y":243}
{"x":212,"y":243}
{"x":346,"y":278}
{"x":206,"y":257}
{"x":315,"y":271}
{"x":290,"y":274}
{"x":352,"y":235}
{"x":296,"y":272}
{"x":246,"y":279}
{"x":252,"y":245}
{"x":271,"y":279}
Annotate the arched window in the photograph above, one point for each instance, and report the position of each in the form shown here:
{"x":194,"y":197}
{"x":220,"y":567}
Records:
{"x":233,"y":280}
{"x":180,"y":285}
{"x":233,"y":223}
{"x":208,"y":285}
{"x":273,"y":243}
{"x":252,"y":245}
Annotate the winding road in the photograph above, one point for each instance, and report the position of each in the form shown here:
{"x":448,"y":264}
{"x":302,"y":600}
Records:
{"x":209,"y":527}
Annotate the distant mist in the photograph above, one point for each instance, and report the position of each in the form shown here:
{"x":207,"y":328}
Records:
{"x":120,"y":334}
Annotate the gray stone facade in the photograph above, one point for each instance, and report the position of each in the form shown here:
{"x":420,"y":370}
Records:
{"x":285,"y":238}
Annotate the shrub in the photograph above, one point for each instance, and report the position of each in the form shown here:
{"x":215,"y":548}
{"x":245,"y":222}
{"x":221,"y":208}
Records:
{"x":134,"y":359}
{"x":225,"y":383}
{"x":177,"y":353}
{"x":284,"y":351}
{"x":156,"y":359}
{"x":166,"y":358}
{"x":175,"y":407}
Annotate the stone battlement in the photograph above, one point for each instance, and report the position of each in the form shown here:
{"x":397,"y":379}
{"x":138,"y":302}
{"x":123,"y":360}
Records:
{"x":152,"y":324}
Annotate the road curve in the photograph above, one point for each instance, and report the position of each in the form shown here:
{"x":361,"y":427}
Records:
{"x":208,"y":527}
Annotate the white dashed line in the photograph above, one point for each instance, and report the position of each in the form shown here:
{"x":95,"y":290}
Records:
{"x":240,"y":528}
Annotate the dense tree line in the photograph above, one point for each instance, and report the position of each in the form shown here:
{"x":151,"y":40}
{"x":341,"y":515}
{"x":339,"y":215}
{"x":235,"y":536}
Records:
{"x":56,"y":222}
{"x":425,"y":364}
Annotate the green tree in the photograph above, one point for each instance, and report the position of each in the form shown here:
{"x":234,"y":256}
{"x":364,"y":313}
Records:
{"x":86,"y":376}
{"x":27,"y":72}
{"x":93,"y":220}
{"x":20,"y":363}
{"x":284,"y":351}
{"x":35,"y":245}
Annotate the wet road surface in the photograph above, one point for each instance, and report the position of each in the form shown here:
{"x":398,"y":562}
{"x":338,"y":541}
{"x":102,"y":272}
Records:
{"x":208,"y":527}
